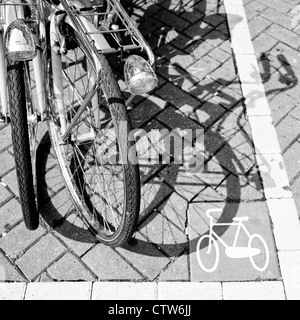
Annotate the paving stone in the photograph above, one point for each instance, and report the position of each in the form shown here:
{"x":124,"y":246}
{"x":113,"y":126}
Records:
{"x":75,"y":234}
{"x":191,"y":15}
{"x":203,"y":67}
{"x":257,"y":25}
{"x":4,"y":194}
{"x":277,"y":17}
{"x":281,"y":105}
{"x":199,"y":48}
{"x":19,"y":239}
{"x":147,"y":26}
{"x":69,"y":268}
{"x":208,"y":113}
{"x":37,"y":258}
{"x":172,"y":20}
{"x":216,"y":38}
{"x":288,"y":131}
{"x":54,"y":179}
{"x":5,"y":137}
{"x":152,"y":195}
{"x":198,"y":30}
{"x":186,"y":185}
{"x":296,"y":112}
{"x":237,"y":189}
{"x":178,"y":98}
{"x":177,"y":76}
{"x":146,"y":110}
{"x":264,"y":43}
{"x":175,"y":56}
{"x":8,"y":272}
{"x":7,"y":163}
{"x":11,"y":181}
{"x":231,"y":269}
{"x":145,"y":257}
{"x":277,"y":4}
{"x":253,"y":8}
{"x":167,"y":228}
{"x":175,"y":119}
{"x":220,"y":55}
{"x":108,"y":265}
{"x":284,"y":35}
{"x":177,"y":271}
{"x":44,"y":277}
{"x":10,"y":214}
{"x":57,"y":207}
{"x":213,"y":19}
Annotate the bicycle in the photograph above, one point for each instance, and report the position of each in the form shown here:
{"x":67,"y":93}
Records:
{"x":65,"y":43}
{"x":233,"y":251}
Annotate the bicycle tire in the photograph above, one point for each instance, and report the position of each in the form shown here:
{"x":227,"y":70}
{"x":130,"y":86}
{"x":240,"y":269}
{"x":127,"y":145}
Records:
{"x":21,"y":143}
{"x":73,"y":169}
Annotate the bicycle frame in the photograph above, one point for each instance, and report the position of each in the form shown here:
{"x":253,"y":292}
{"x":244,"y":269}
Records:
{"x":93,"y":40}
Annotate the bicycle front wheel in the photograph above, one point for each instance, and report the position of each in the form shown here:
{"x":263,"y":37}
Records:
{"x":23,"y":138}
{"x":94,"y":159}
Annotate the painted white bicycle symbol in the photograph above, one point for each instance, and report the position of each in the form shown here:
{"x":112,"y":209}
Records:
{"x":233,"y":251}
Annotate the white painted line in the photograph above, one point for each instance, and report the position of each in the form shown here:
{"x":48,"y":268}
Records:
{"x":274,"y":176}
{"x":264,"y":136}
{"x":272,"y":290}
{"x":253,"y":88}
{"x":280,"y":199}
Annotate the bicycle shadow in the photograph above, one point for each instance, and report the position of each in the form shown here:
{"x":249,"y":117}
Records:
{"x":58,"y":214}
{"x":160,"y":181}
{"x":226,"y":155}
{"x":164,"y":179}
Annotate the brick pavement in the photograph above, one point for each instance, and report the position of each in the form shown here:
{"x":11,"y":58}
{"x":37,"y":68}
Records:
{"x":275,"y":33}
{"x":198,"y":88}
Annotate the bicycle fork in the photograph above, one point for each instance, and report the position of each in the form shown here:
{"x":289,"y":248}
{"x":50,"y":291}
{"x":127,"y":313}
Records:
{"x":3,"y":85}
{"x":12,"y":13}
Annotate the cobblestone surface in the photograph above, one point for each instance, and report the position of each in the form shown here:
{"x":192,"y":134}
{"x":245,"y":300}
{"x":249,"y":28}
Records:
{"x":277,"y":47}
{"x":198,"y":89}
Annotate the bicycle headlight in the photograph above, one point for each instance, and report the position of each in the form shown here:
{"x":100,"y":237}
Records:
{"x":19,"y":42}
{"x":139,"y":75}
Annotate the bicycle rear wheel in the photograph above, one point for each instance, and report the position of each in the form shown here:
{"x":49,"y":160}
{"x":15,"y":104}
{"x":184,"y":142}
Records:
{"x":102,"y":180}
{"x":23,"y":138}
